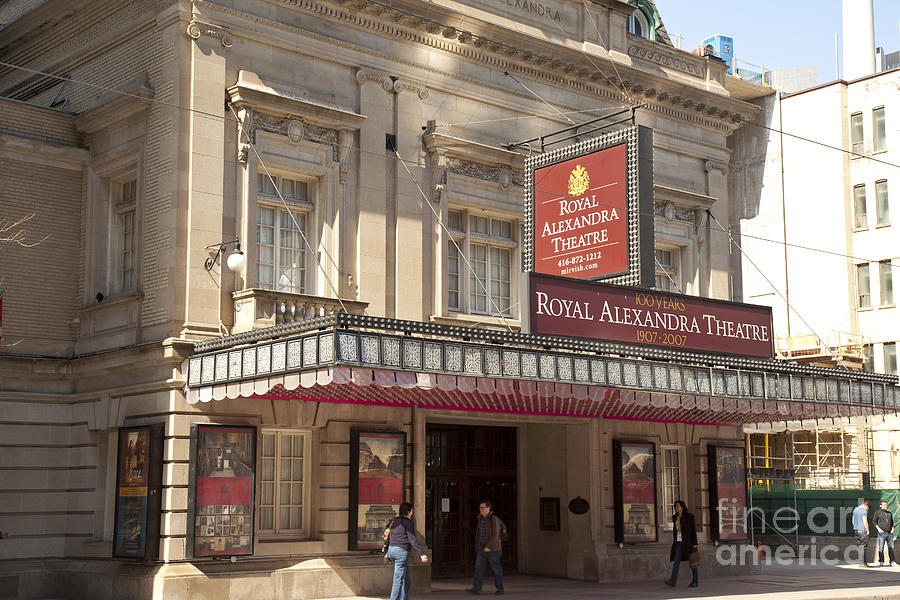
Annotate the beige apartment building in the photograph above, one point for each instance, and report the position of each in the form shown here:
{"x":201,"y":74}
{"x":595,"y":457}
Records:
{"x":365,"y":158}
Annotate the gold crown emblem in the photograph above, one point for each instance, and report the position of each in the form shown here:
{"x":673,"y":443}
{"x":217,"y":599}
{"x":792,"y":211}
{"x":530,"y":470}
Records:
{"x":579,"y":181}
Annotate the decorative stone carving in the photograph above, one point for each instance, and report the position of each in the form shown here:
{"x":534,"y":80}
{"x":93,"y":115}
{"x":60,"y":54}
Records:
{"x":297,"y":130}
{"x":665,"y":59}
{"x":502,"y":175}
{"x":196,"y":29}
{"x":400,"y":86}
{"x":712,"y":165}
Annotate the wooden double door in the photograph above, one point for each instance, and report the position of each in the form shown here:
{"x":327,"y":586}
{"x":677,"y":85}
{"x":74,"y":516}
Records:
{"x":465,"y":465}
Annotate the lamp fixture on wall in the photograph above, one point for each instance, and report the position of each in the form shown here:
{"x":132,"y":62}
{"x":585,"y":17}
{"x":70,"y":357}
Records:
{"x":235,"y":260}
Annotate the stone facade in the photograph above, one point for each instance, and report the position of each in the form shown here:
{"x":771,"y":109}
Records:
{"x":163,"y":119}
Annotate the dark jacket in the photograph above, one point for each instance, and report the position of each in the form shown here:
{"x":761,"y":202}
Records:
{"x":403,"y":534}
{"x":492,"y":533}
{"x":688,"y":536}
{"x":884,"y":520}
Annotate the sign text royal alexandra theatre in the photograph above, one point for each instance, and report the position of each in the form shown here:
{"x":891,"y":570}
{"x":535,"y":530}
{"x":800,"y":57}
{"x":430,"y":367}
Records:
{"x":619,"y":314}
{"x":580,"y":216}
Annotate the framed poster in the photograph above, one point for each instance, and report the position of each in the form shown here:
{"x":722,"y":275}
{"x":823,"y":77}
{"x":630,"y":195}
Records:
{"x":550,"y":514}
{"x":634,"y":490}
{"x":728,"y":490}
{"x":221,"y":498}
{"x":138,"y":492}
{"x":377,"y":484}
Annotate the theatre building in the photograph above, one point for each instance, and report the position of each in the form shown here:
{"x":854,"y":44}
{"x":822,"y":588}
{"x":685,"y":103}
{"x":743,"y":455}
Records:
{"x":294,"y":262}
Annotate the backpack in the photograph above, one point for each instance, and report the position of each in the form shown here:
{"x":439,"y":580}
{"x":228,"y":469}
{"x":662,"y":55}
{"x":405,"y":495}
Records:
{"x":386,"y":539}
{"x":504,"y":532}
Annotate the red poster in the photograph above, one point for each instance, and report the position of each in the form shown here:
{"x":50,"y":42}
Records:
{"x":637,"y":316}
{"x":223,"y":506}
{"x":580,"y":224}
{"x":380,"y":460}
{"x":731,"y":492}
{"x":638,"y":492}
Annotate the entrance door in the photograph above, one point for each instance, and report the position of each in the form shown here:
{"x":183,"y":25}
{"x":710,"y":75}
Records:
{"x":465,"y":465}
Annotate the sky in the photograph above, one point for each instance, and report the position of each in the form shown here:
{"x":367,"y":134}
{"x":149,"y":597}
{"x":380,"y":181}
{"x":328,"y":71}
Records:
{"x":776,"y":34}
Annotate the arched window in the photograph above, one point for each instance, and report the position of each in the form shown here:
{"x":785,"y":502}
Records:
{"x":638,"y":24}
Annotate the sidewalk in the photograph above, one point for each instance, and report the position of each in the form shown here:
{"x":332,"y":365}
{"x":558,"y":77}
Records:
{"x":775,"y":582}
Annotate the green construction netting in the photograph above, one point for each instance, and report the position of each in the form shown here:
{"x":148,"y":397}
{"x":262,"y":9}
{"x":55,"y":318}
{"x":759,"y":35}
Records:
{"x":818,"y":512}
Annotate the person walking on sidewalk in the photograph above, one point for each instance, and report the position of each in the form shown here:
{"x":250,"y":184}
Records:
{"x":861,"y":530}
{"x":403,"y":537}
{"x":884,"y":525}
{"x":684,"y":543}
{"x":488,"y":551}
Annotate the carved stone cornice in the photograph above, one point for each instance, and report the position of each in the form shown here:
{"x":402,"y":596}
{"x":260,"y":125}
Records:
{"x":559,"y":67}
{"x":197,"y":29}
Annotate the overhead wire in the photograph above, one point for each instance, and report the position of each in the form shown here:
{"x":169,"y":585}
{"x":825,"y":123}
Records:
{"x":833,"y":352}
{"x":444,"y":169}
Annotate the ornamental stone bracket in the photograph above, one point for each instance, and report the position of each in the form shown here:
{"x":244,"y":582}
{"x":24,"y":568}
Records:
{"x":712,"y":165}
{"x":449,"y":154}
{"x":197,"y":29}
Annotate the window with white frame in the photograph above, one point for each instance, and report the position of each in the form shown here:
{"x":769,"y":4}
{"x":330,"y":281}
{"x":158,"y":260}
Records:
{"x":638,"y":24}
{"x":881,"y":202}
{"x":857,"y":141}
{"x":890,"y":358}
{"x":868,"y":358}
{"x":859,"y":207}
{"x":673,"y":476}
{"x":126,"y":211}
{"x":863,"y":285}
{"x":879,"y":140}
{"x":282,"y":477}
{"x":886,"y":280}
{"x":280,"y":250}
{"x":489,"y":245}
{"x":668,"y":271}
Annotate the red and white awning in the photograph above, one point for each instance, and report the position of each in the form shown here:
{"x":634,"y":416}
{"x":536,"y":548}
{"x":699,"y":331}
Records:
{"x":356,"y":385}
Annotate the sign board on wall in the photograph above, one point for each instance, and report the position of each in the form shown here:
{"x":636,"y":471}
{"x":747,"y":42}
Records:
{"x":589,"y":209}
{"x":574,"y":308}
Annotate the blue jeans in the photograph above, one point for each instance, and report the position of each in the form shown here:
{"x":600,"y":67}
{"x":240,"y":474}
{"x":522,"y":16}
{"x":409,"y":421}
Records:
{"x":679,"y":548}
{"x":482,"y":559}
{"x":886,"y":539}
{"x":400,"y":557}
{"x":862,"y":540}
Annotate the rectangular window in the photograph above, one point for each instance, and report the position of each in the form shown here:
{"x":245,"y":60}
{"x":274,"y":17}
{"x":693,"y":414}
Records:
{"x":879,"y":141}
{"x":672,"y":470}
{"x":890,"y":358}
{"x":281,"y":479}
{"x":868,"y":358}
{"x":859,"y":207}
{"x":489,"y":245}
{"x":857,"y":141}
{"x":887,"y":284}
{"x":281,"y":253}
{"x":668,"y":276}
{"x":127,"y":217}
{"x":881,"y":202}
{"x":865,"y":291}
{"x":453,"y":276}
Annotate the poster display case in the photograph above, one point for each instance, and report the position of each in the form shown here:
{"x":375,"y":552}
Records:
{"x":221,"y":495}
{"x":728,"y":492}
{"x":377,"y":484}
{"x":138,"y":492}
{"x":634,"y":491}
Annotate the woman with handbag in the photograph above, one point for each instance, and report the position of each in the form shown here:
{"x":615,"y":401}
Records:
{"x":684,"y":543}
{"x":401,"y":536}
